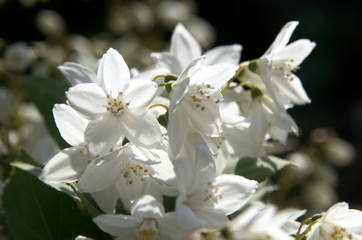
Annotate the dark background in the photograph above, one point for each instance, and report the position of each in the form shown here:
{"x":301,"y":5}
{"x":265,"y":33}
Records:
{"x":331,"y":75}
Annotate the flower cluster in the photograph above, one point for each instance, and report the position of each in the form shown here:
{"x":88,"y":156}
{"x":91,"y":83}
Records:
{"x":140,"y":137}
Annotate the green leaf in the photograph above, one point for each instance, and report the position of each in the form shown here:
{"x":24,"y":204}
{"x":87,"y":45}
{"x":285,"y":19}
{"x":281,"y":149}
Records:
{"x":34,"y":210}
{"x":44,"y":93}
{"x":260,"y":168}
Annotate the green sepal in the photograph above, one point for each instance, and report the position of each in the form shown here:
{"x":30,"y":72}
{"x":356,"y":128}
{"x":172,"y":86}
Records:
{"x":253,"y":66}
{"x":256,"y":93}
{"x":168,"y":87}
{"x":163,"y":119}
{"x":170,"y":78}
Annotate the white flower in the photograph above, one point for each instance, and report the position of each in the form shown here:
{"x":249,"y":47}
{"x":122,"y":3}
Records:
{"x":117,"y":108}
{"x":286,"y":60}
{"x":261,"y":221}
{"x":194,"y":101}
{"x":259,"y":105}
{"x":338,"y":223}
{"x":206,"y":200}
{"x":128,"y":173}
{"x":148,"y":220}
{"x":184,"y":49}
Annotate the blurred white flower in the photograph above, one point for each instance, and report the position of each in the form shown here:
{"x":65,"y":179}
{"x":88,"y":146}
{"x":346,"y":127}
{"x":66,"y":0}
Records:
{"x":338,"y":223}
{"x":173,"y":12}
{"x":50,"y":23}
{"x":17,"y":56}
{"x":261,"y":221}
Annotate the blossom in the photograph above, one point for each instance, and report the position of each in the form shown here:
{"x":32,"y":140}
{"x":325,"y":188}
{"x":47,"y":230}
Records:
{"x":116,"y":107}
{"x":193,"y":101}
{"x":148,"y":220}
{"x":205,"y":200}
{"x":286,"y":60}
{"x":184,"y":49}
{"x":338,"y":223}
{"x":128,"y":173}
{"x":259,"y":105}
{"x":261,"y":221}
{"x":17,"y":57}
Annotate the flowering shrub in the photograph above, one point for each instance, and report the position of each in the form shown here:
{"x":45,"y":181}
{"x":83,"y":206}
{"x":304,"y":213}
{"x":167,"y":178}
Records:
{"x":179,"y":151}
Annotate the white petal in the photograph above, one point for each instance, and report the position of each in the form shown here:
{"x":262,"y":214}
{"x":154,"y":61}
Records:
{"x":101,"y":173}
{"x":70,"y":123}
{"x":169,"y":61}
{"x":178,"y":127}
{"x":206,"y":121}
{"x":140,"y":154}
{"x":213,"y":218}
{"x":185,"y":175}
{"x":277,"y":116}
{"x":178,"y":93}
{"x":114,"y":72}
{"x":282,"y":38}
{"x":186,"y":217}
{"x":216,"y":75}
{"x":205,"y":168}
{"x":184,"y":45}
{"x":76,"y":73}
{"x":66,"y":166}
{"x":242,"y":143}
{"x":107,"y":198}
{"x":259,"y":123}
{"x":140,"y":94}
{"x":291,"y":89}
{"x":235,"y":190}
{"x":147,"y":207}
{"x":278,"y":134}
{"x":223,"y":54}
{"x":169,"y":227}
{"x":103,"y":134}
{"x":352,"y":222}
{"x":89,"y":99}
{"x":193,"y":67}
{"x":117,"y":225}
{"x":297,"y":51}
{"x":163,"y":171}
{"x":130,"y":192}
{"x":337,"y":211}
{"x":142,"y":130}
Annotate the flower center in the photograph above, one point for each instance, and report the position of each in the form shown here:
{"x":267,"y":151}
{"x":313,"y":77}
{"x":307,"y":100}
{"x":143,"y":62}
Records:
{"x":137,"y":170}
{"x":335,"y":232}
{"x":199,"y":94}
{"x":147,"y":230}
{"x":116,"y":105}
{"x":287,"y":68}
{"x":211,"y":194}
